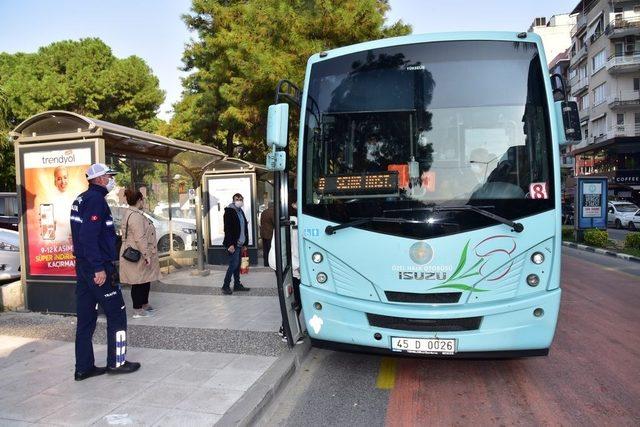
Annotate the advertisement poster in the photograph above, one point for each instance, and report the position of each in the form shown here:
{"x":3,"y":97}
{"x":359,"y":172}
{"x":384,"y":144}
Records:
{"x":591,"y":203}
{"x":221,"y":191}
{"x":52,"y":181}
{"x":592,"y":200}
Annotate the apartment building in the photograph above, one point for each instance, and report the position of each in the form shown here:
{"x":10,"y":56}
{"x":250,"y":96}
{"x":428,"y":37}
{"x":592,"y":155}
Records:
{"x":604,"y":79}
{"x":555,"y":33}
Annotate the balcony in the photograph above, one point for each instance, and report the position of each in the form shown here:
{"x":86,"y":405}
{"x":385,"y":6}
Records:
{"x":581,"y":23}
{"x":617,"y":131}
{"x":622,"y":27}
{"x":623,"y":100}
{"x":624,"y":63}
{"x":578,"y":85}
{"x":578,"y":56}
{"x":583,"y":114}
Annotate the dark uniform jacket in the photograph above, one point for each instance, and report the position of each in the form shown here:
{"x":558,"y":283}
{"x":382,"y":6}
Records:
{"x":232,"y":227}
{"x":92,"y":230}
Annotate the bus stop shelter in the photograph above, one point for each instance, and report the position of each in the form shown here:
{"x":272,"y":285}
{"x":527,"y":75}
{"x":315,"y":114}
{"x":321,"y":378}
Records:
{"x":220,"y":182}
{"x":53,"y":150}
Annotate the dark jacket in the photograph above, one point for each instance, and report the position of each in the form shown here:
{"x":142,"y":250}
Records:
{"x":92,"y":230}
{"x":232,"y":227}
{"x":267,"y":223}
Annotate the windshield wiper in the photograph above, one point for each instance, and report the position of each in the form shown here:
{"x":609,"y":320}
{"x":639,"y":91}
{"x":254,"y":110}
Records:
{"x":331,"y":229}
{"x":515,"y":226}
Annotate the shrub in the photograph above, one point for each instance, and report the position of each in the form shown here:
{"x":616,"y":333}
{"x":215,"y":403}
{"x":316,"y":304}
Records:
{"x":632,"y":241}
{"x":597,"y":238}
{"x":567,"y":234}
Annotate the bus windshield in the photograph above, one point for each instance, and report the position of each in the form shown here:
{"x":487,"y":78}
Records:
{"x":391,"y":131}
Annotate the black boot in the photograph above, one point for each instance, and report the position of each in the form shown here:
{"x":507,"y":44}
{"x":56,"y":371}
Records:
{"x":226,"y":290}
{"x":126,"y":368}
{"x":240,"y":288}
{"x":94,"y":372}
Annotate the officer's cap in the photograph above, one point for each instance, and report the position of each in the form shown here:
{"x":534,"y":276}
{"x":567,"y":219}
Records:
{"x":99,"y":169}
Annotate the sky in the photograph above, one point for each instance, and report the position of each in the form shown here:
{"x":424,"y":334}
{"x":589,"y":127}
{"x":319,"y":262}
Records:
{"x":154,"y":30}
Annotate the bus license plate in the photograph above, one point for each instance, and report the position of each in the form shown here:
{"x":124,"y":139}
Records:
{"x":424,"y":345}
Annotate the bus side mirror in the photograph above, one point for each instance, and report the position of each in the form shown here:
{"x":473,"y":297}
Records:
{"x":277,"y":131}
{"x":278,"y":125}
{"x":567,"y":114}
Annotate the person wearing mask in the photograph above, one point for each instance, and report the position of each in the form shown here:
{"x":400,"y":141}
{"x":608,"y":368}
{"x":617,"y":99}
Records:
{"x":236,"y":236}
{"x":266,"y":230}
{"x":94,"y":246}
{"x":138,"y":233}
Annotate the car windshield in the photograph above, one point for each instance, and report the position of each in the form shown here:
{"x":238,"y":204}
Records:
{"x":626,"y":207}
{"x":390,"y":131}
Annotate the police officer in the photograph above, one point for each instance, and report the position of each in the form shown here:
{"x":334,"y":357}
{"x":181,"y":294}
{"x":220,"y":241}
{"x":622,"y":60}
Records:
{"x":94,"y":246}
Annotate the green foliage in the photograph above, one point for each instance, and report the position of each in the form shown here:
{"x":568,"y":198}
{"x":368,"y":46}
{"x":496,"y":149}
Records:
{"x":567,"y":233}
{"x":632,"y":241}
{"x":243,"y":48}
{"x":80,"y":76}
{"x":597,"y":238}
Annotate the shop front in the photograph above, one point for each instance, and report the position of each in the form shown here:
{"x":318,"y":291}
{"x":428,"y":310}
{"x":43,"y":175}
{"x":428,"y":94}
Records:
{"x":617,"y":159}
{"x":53,"y":150}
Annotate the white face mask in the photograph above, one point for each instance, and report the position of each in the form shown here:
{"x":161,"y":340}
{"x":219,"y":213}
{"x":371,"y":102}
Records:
{"x":238,"y":203}
{"x":111,"y":184}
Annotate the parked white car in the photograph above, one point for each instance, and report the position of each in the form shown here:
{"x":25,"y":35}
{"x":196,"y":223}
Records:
{"x":184,"y":230}
{"x":619,"y":214}
{"x":9,"y":255}
{"x":634,"y":224}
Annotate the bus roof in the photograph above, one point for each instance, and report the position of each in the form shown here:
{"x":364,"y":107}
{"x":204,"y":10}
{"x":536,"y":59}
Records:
{"x":430,"y":37}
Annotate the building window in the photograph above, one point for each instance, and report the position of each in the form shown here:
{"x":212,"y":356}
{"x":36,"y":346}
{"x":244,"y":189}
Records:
{"x":598,"y":127}
{"x":636,"y":84}
{"x":598,"y":61}
{"x":620,"y":122}
{"x":599,"y":94}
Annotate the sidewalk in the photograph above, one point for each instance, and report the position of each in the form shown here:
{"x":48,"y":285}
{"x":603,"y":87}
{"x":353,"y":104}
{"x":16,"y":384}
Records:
{"x":200,"y":353}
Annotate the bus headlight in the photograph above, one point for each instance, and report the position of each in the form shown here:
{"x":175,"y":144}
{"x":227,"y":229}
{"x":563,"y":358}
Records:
{"x":321,"y":277}
{"x":533,"y":280}
{"x":537,"y":258}
{"x":316,"y":257}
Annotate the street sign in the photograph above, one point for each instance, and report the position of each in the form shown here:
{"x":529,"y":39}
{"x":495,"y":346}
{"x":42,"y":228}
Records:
{"x":591,"y":203}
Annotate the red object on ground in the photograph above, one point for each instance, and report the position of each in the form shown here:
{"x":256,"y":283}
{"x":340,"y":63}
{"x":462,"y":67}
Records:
{"x":244,"y":261}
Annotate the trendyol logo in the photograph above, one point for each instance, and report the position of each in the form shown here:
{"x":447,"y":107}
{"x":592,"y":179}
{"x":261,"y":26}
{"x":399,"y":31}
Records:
{"x":421,"y":253}
{"x":59,"y":158}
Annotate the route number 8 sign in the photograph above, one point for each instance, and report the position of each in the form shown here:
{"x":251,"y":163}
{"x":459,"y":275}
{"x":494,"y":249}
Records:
{"x":538,"y":190}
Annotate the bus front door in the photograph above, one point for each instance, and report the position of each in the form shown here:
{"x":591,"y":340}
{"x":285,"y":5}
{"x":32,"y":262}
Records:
{"x":284,"y":268}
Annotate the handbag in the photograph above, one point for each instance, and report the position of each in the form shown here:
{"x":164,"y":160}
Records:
{"x":130,"y":254}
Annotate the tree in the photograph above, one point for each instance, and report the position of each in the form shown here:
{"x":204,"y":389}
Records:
{"x":244,"y":48}
{"x":80,"y":76}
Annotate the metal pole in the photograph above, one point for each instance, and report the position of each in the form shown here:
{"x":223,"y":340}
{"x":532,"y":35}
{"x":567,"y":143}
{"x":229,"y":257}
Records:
{"x":200,"y":270}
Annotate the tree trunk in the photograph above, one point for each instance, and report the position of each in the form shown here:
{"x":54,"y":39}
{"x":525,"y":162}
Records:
{"x":230,"y":143}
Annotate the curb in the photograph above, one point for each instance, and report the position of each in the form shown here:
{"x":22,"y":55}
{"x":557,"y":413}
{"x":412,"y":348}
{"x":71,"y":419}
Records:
{"x":601,"y":251}
{"x":251,"y":405}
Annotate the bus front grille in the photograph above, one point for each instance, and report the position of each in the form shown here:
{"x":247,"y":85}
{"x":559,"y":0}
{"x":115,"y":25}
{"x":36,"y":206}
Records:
{"x":425,"y":325}
{"x":438,"y":298}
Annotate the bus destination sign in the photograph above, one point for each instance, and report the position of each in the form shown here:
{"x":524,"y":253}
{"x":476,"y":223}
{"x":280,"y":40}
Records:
{"x":370,"y":184}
